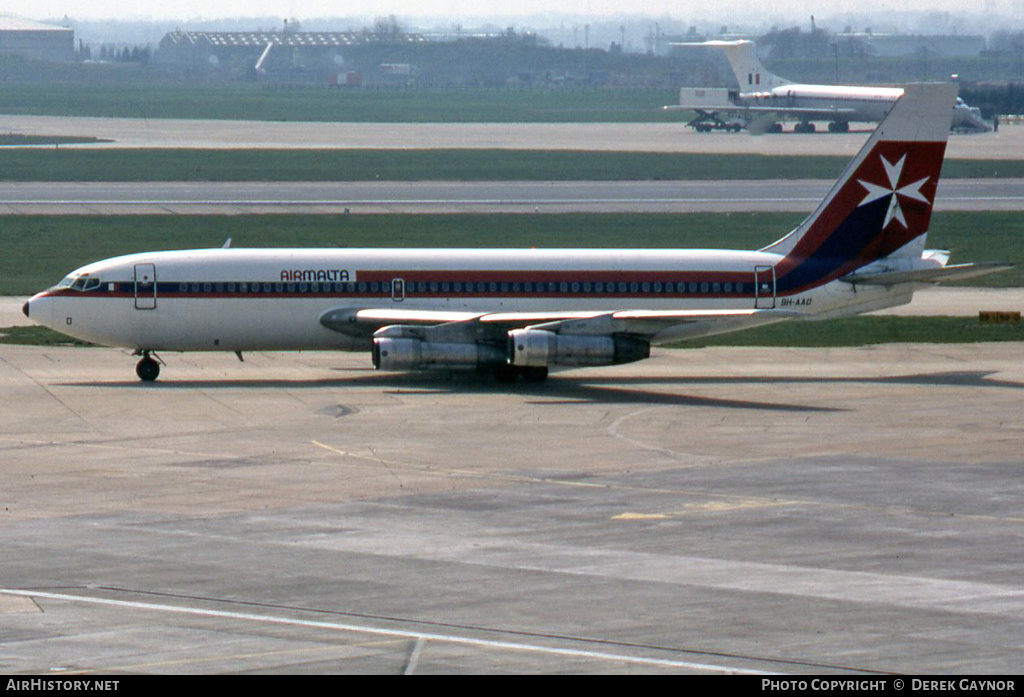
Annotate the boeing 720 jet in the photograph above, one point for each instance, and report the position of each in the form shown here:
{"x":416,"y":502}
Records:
{"x":521,"y":312}
{"x":763,"y":96}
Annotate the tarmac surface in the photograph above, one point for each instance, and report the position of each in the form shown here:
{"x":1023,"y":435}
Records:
{"x":232,"y":198}
{"x":705,"y":511}
{"x":1006,"y":144}
{"x":722,"y":510}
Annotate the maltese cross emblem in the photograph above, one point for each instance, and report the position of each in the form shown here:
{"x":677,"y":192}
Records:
{"x":894,"y":190}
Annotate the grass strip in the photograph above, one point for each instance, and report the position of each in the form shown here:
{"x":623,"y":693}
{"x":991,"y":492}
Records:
{"x":191,"y":165}
{"x":251,"y":102}
{"x":37,"y":336}
{"x":37,"y":251}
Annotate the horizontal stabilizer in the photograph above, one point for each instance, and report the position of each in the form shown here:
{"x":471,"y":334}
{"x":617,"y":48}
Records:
{"x":956,"y":272}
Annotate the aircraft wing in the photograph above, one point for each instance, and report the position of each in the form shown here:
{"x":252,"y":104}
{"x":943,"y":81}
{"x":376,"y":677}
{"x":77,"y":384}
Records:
{"x":652,"y":325}
{"x":799,"y":111}
{"x":357,"y":322}
{"x":823,"y":112}
{"x":658,"y":326}
{"x":789,"y":111}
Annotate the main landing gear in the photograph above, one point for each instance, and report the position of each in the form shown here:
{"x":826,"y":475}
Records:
{"x":148,"y":368}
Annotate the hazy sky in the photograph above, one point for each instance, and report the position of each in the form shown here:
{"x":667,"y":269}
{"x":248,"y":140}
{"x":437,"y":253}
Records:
{"x":456,"y":9}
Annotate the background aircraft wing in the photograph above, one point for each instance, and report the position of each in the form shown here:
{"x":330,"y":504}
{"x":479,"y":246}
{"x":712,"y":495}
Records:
{"x":799,"y":111}
{"x":823,"y":112}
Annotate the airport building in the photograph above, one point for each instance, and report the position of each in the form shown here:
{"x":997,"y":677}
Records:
{"x":903,"y":45}
{"x":35,"y":40}
{"x":320,"y":57}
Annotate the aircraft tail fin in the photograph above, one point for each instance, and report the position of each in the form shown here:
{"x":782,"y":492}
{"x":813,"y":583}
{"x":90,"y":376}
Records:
{"x":881,"y":205}
{"x":746,"y":66}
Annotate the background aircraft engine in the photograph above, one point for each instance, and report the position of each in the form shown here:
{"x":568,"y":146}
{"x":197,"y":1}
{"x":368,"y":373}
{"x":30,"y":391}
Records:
{"x":416,"y":354}
{"x":538,"y":347}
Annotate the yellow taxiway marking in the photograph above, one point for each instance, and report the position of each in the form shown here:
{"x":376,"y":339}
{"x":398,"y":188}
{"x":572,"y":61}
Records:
{"x":708,"y":507}
{"x":720,"y":502}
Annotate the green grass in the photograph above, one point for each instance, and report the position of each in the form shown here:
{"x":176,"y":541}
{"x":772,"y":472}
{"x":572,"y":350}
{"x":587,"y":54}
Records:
{"x":37,"y":251}
{"x":17,"y":139}
{"x":75,"y":164}
{"x":37,"y":336}
{"x":366,"y":105}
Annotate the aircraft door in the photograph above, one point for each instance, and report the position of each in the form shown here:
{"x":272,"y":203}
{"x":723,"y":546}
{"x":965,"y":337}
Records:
{"x":397,"y":290}
{"x":764,"y":287}
{"x":145,"y":287}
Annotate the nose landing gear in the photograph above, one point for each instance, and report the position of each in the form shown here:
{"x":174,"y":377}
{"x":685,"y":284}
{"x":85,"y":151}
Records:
{"x":148,"y":368}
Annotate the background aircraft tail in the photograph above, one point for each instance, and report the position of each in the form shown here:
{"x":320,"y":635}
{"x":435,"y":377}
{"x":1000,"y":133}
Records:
{"x":747,"y":67}
{"x":881,"y":205}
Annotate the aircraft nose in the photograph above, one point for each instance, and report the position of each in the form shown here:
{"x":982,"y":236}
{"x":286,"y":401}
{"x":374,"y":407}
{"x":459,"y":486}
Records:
{"x":37,"y":308}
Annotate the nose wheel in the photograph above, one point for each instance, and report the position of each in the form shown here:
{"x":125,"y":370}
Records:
{"x":148,"y":369}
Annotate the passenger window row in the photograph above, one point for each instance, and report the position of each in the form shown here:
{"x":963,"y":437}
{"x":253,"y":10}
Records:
{"x":472,"y":287}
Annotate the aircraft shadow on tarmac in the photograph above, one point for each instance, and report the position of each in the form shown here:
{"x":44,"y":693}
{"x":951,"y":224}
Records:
{"x":569,"y":388}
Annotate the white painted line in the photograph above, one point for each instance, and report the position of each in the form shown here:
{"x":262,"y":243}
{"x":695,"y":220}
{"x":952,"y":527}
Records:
{"x":420,"y":637}
{"x":414,"y":659}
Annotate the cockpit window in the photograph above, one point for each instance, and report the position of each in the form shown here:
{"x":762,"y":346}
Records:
{"x":83,"y":282}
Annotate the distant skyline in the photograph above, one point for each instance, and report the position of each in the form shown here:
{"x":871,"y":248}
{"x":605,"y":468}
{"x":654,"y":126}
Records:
{"x":461,"y":10}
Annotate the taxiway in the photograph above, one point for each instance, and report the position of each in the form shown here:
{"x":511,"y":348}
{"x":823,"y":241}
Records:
{"x":721,"y":510}
{"x":1006,"y":144}
{"x":232,"y":198}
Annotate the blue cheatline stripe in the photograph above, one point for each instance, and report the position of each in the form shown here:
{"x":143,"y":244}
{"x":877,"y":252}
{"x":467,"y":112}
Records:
{"x":847,"y":243}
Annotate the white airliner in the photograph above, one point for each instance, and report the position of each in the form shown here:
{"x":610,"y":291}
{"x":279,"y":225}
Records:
{"x":521,"y":312}
{"x":763,"y":95}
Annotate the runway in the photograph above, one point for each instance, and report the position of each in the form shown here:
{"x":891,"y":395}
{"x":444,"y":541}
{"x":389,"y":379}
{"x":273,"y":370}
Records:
{"x":233,"y":198}
{"x":1006,"y":144}
{"x":723,"y":510}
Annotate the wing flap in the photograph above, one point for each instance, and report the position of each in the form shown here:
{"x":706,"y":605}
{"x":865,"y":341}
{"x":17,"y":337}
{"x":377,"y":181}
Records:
{"x":658,"y":326}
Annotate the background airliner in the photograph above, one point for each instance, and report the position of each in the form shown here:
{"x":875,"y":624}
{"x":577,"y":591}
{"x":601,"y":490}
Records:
{"x":764,"y":96}
{"x":520,"y":312}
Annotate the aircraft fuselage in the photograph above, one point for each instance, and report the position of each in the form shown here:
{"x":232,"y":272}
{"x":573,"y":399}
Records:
{"x":273,"y":299}
{"x":845,"y":103}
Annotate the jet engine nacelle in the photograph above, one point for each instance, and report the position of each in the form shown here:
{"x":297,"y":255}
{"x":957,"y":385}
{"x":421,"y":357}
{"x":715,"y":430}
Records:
{"x":538,"y":347}
{"x":415,"y":354}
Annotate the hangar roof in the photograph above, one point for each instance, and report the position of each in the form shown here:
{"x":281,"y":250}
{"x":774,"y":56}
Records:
{"x":258,"y":38}
{"x":14,"y":23}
